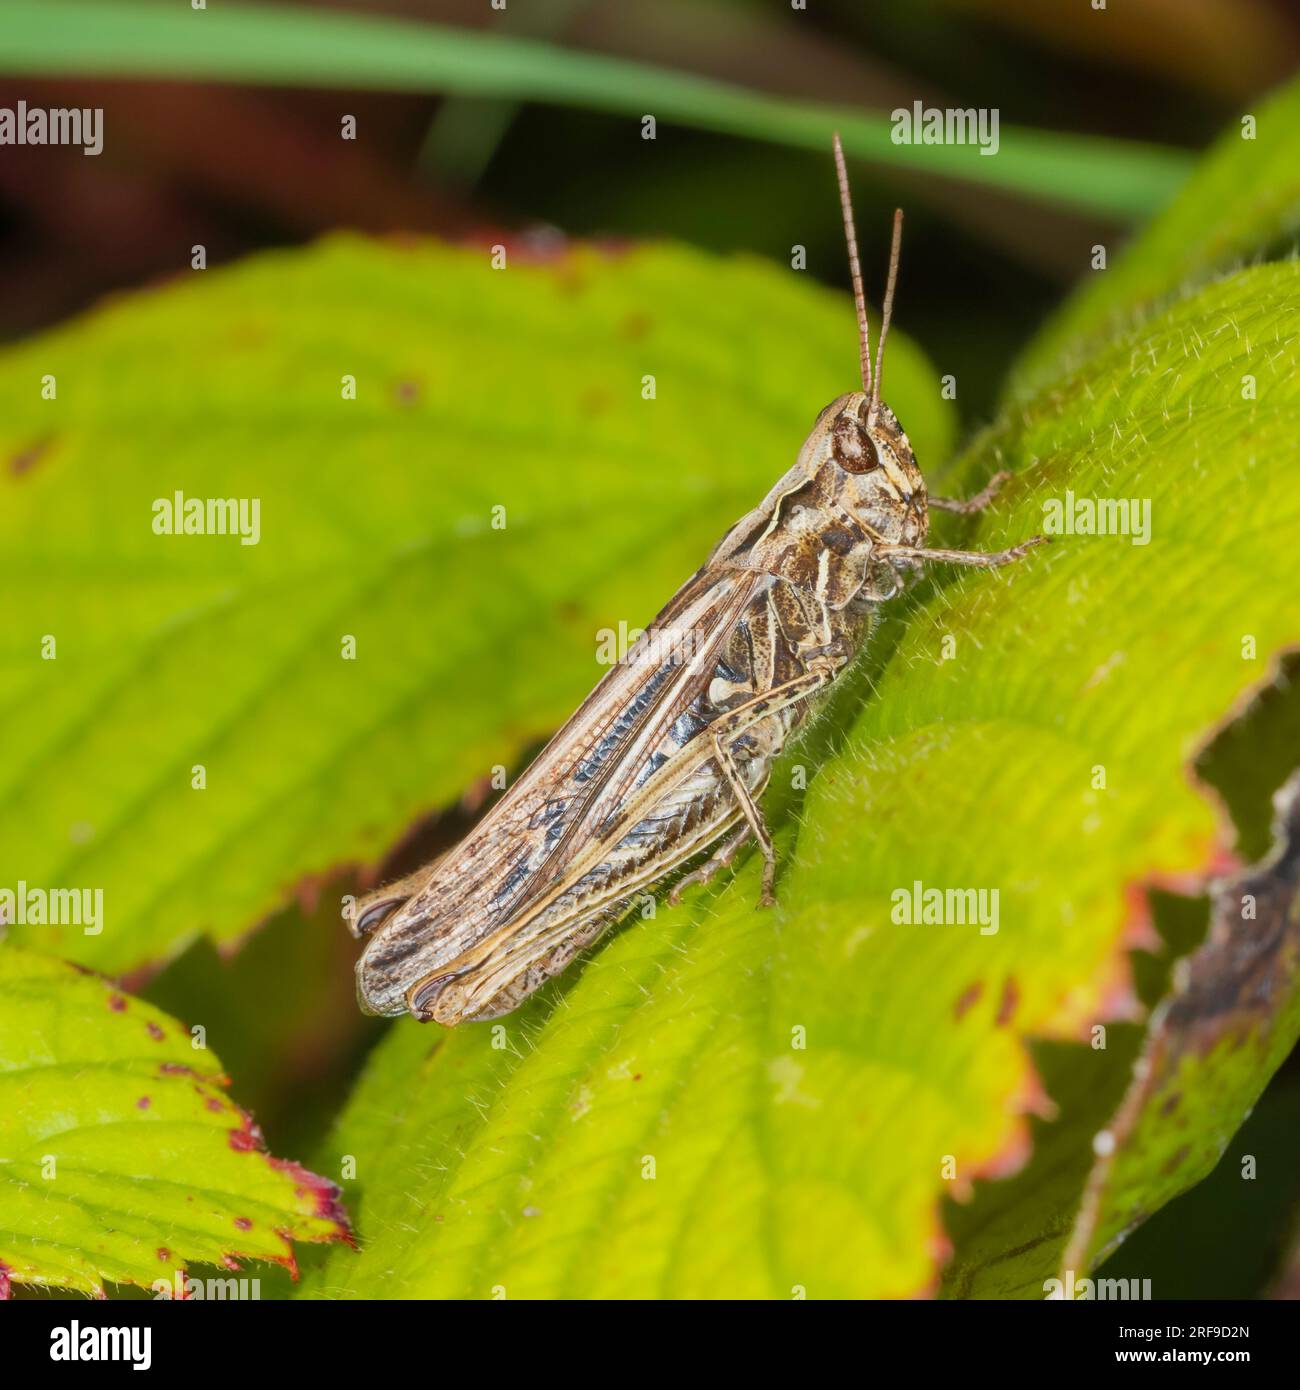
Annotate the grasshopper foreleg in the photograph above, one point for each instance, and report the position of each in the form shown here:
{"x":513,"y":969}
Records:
{"x":979,"y":559}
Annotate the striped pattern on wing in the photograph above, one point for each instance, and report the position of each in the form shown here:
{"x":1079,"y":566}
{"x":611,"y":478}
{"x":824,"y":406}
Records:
{"x":568,"y":801}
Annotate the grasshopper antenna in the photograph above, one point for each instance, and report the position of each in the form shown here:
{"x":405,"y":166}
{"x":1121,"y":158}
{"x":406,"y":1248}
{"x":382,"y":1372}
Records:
{"x":887,"y":310}
{"x":855,"y":270}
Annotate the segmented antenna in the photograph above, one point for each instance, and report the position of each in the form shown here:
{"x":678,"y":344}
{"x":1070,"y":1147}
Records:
{"x":886,"y":311}
{"x":855,"y":270}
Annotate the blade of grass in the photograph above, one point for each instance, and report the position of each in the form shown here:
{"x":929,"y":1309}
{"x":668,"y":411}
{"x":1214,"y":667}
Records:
{"x":1242,"y":202}
{"x":284,"y":46}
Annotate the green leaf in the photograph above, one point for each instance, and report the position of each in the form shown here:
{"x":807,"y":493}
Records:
{"x":477,"y":390}
{"x":287,"y":46}
{"x":1242,"y":200}
{"x":121,"y":1157}
{"x":730,"y":1102}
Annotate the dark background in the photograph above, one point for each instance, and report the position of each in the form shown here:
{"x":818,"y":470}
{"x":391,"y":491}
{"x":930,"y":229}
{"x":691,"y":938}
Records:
{"x":239,"y":168}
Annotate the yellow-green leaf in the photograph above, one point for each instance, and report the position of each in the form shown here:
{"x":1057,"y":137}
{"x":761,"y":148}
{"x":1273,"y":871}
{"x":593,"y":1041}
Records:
{"x":122,"y":1158}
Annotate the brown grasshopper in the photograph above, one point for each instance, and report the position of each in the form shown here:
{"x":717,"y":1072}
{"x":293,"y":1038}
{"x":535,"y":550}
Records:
{"x":669,"y":754}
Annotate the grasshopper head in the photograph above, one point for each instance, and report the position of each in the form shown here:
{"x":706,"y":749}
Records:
{"x":874,"y":467}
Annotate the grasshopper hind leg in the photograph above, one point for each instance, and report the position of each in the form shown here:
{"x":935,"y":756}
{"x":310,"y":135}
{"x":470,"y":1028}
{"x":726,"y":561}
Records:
{"x":544,"y":968}
{"x":754,"y":821}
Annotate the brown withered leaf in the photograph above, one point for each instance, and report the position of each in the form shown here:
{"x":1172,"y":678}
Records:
{"x":1230,"y":1020}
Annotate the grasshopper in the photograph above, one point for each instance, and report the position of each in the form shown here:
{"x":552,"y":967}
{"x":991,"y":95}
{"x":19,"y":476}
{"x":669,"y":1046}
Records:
{"x":668,"y":756}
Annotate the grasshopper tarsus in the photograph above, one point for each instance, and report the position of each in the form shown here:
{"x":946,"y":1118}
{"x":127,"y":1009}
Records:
{"x":1016,"y":552}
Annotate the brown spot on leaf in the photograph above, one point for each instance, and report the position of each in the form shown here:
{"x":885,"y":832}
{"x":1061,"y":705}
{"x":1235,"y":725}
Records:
{"x":570,"y":280}
{"x":636,"y":325}
{"x":27,"y":459}
{"x":117,"y":1003}
{"x":1175,"y":1161}
{"x":154,"y":1031}
{"x":143,"y":1103}
{"x":967,"y":998}
{"x":1007,"y":1004}
{"x":594,"y":401}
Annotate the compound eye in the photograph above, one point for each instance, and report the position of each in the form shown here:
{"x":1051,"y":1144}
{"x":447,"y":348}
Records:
{"x":853,"y":447}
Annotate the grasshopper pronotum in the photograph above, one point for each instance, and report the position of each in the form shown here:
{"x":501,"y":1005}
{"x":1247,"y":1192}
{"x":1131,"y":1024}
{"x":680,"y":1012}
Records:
{"x":669,"y":754}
